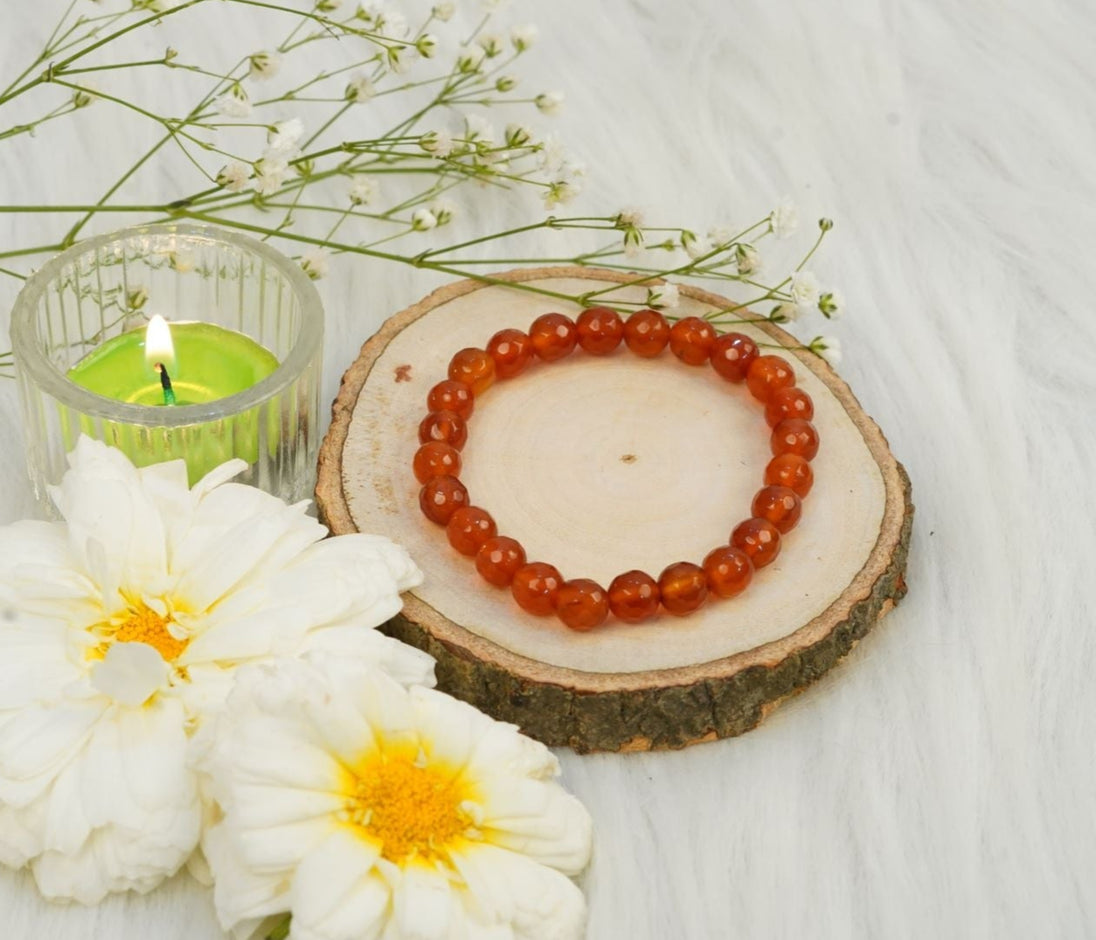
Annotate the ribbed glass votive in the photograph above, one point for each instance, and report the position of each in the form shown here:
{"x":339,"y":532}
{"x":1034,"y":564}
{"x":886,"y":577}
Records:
{"x":112,"y":284}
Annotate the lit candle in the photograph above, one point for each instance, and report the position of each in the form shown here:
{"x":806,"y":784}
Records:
{"x":186,"y":363}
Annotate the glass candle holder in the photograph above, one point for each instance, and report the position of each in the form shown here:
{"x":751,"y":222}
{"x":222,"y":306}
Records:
{"x":112,"y":284}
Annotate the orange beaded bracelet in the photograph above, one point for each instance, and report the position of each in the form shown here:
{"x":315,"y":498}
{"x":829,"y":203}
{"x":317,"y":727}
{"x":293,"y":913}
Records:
{"x":634,"y":596}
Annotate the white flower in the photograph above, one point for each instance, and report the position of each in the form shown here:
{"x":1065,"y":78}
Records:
{"x":492,"y":44}
{"x":828,"y":347}
{"x":264,"y":65}
{"x":282,"y":139}
{"x":720,"y":235}
{"x":398,"y":59}
{"x":560,"y":192}
{"x":471,"y":58}
{"x":422,"y":220}
{"x":523,"y":37}
{"x":390,"y":23}
{"x":85,"y":94}
{"x":439,"y":143}
{"x":784,"y":313}
{"x":427,"y":45}
{"x":663,"y":296}
{"x":696,"y":246}
{"x":363,"y":190}
{"x":505,"y":83}
{"x":444,"y":11}
{"x":832,"y":305}
{"x":553,"y":156}
{"x":804,"y":289}
{"x":549,"y":102}
{"x":630,"y":218}
{"x":518,"y":135}
{"x":366,"y":810}
{"x":270,"y":175}
{"x":234,"y":176}
{"x":316,"y":263}
{"x":783,"y":220}
{"x":747,"y":258}
{"x":359,"y":88}
{"x":121,"y":632}
{"x":480,"y":131}
{"x":234,"y":103}
{"x":444,"y":210}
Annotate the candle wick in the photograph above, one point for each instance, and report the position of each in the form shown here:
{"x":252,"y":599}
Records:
{"x":165,"y":384}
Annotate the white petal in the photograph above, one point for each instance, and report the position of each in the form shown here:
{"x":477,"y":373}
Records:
{"x":130,"y":673}
{"x":421,"y":903}
{"x":241,"y":894}
{"x":36,"y":743}
{"x":336,"y":894}
{"x":537,"y":902}
{"x":407,"y":665}
{"x":538,"y":819}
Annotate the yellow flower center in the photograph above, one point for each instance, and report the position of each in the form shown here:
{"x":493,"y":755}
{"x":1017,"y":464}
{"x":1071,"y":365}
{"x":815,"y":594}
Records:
{"x":411,"y":810}
{"x":139,"y":623}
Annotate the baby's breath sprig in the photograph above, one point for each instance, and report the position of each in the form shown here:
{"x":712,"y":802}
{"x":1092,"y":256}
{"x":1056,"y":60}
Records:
{"x":277,"y":162}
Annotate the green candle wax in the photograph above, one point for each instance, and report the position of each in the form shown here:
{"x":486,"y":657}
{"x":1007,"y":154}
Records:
{"x":210,"y":363}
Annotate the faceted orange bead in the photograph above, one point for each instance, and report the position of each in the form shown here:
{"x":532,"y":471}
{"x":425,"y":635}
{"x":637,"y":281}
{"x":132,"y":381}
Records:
{"x":474,"y":367}
{"x":792,"y":471}
{"x":553,"y":335}
{"x":512,"y":351}
{"x":646,"y":333}
{"x":582,"y":604}
{"x":498,"y":558}
{"x":447,"y":426}
{"x":683,"y":587}
{"x":441,"y":497}
{"x":795,"y":436}
{"x":468,"y":528}
{"x":731,"y":355}
{"x":790,"y":402}
{"x":535,"y":587}
{"x":768,"y":373}
{"x":633,"y":596}
{"x":691,"y":340}
{"x":779,"y":505}
{"x":729,"y":570}
{"x":759,"y":539}
{"x":436,"y":459}
{"x":599,"y":330}
{"x":448,"y":395}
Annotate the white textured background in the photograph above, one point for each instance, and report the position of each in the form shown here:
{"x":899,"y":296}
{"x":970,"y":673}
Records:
{"x":940,"y":782}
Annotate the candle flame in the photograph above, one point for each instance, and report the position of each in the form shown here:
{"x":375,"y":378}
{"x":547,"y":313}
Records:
{"x":158,"y":345}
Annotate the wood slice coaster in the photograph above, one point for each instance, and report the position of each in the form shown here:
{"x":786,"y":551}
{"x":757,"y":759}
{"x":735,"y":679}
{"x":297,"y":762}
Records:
{"x":600,"y":466}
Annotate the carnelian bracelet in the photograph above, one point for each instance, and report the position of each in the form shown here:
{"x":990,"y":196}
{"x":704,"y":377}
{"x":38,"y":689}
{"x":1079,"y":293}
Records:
{"x":634,"y":596}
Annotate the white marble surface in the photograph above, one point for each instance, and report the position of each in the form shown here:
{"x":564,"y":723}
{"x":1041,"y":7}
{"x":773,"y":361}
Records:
{"x":940,"y":782}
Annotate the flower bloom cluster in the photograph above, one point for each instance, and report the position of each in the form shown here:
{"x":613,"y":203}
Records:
{"x":173,"y":656}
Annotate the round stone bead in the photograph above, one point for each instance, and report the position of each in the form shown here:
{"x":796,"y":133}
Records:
{"x":441,"y":497}
{"x":436,"y":459}
{"x":448,"y":395}
{"x":766,"y":374}
{"x":474,"y":367}
{"x":729,"y":570}
{"x":633,"y":596}
{"x":759,"y":539}
{"x":683,"y":587}
{"x":731,"y":355}
{"x":535,"y":587}
{"x":788,"y":402}
{"x":582,"y":604}
{"x":468,"y":528}
{"x":600,"y":330}
{"x":795,"y":436}
{"x":792,"y":471}
{"x":553,"y":335}
{"x":512,"y":351}
{"x":779,"y":505}
{"x":646,"y":333}
{"x":445,"y":426}
{"x":498,"y":558}
{"x":691,"y":340}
